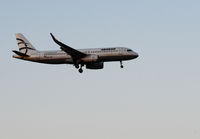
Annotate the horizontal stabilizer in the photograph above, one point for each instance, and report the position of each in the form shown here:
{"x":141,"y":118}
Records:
{"x":20,"y":54}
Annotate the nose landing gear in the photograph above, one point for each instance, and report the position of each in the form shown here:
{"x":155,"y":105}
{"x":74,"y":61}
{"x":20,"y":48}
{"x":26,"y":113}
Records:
{"x":121,"y":65}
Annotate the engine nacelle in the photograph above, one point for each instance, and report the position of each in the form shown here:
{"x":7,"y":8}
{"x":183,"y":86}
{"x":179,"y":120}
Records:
{"x":90,"y":58}
{"x":98,"y":65}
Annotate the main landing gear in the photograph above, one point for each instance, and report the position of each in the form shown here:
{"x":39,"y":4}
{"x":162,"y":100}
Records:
{"x":79,"y":67}
{"x":121,"y":65}
{"x":80,"y":70}
{"x":76,"y":66}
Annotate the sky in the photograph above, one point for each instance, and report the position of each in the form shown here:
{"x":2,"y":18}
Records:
{"x":154,"y":96}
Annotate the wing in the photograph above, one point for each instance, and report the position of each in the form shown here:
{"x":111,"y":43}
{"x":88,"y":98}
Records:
{"x":75,"y":54}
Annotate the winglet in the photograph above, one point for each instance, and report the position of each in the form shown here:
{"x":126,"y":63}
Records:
{"x":58,"y":42}
{"x":52,"y":36}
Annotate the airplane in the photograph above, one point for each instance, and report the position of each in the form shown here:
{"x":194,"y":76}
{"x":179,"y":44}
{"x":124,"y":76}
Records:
{"x":91,"y":58}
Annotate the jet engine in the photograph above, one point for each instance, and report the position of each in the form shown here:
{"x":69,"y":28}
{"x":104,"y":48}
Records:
{"x":97,"y":65}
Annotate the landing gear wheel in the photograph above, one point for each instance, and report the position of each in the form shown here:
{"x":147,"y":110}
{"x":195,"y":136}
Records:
{"x":80,"y":70}
{"x":76,"y":66}
{"x":121,"y":64}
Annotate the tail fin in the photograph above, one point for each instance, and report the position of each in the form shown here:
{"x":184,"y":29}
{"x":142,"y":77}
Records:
{"x":24,"y":45}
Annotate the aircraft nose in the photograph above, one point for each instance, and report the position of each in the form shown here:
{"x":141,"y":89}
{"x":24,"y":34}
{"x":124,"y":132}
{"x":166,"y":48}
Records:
{"x":135,"y":55}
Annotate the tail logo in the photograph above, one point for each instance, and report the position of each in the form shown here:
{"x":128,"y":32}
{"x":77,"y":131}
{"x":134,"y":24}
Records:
{"x":26,"y":46}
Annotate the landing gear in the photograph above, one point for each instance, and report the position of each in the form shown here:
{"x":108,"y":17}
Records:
{"x":80,"y":69}
{"x":121,"y":65}
{"x":76,"y":66}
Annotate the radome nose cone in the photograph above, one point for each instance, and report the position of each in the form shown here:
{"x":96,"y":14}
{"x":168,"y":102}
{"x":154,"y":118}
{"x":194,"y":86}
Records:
{"x":136,"y":55}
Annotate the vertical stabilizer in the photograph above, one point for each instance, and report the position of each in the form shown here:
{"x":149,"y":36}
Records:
{"x":24,"y":45}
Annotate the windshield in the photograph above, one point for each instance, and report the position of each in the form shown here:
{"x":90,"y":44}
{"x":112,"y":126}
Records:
{"x":129,"y":50}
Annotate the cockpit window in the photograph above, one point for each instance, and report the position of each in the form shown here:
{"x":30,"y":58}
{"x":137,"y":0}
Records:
{"x":129,"y":50}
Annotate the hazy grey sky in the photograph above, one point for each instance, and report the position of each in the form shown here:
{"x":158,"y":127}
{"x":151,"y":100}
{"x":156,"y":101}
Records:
{"x":155,"y":96}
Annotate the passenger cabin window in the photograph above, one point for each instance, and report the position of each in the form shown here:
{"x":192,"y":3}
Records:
{"x":129,"y":50}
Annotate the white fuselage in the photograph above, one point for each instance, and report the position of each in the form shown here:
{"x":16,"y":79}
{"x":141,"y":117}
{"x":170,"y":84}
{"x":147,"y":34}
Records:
{"x":91,"y":58}
{"x":95,"y":55}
